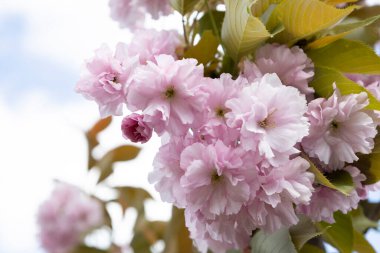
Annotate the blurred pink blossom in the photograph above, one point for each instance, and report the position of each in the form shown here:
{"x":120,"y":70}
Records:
{"x":150,"y":43}
{"x":66,"y":217}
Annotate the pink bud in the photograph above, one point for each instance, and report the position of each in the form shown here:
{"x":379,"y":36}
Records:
{"x":135,"y":129}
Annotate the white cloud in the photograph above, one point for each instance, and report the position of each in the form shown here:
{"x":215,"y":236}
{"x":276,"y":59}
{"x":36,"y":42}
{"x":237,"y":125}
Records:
{"x":68,"y":31}
{"x":41,"y":141}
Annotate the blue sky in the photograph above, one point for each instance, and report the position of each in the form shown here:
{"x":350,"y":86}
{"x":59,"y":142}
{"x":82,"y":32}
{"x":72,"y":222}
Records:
{"x":21,"y":71}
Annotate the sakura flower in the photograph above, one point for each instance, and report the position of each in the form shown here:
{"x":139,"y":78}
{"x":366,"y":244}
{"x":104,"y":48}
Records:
{"x":106,"y":79}
{"x":219,"y":91}
{"x":168,"y":92}
{"x":214,"y":131}
{"x":370,"y":82}
{"x":219,"y":234}
{"x":340,"y":127}
{"x":150,"y":43}
{"x":271,"y":219}
{"x":266,"y":124}
{"x":66,"y":217}
{"x":167,"y":171}
{"x":291,"y":65}
{"x":214,"y":179}
{"x":281,"y":188}
{"x":326,"y":201}
{"x":135,"y":129}
{"x":157,"y":8}
{"x":129,"y":13}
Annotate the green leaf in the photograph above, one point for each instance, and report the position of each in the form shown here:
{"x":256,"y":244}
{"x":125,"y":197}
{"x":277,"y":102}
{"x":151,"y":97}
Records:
{"x":205,"y":22}
{"x":241,"y":31}
{"x":177,"y":237}
{"x":86,"y":249}
{"x":258,"y":7}
{"x":323,"y":84}
{"x":339,"y":31}
{"x":336,"y":2}
{"x":340,"y":180}
{"x":361,"y":245}
{"x":303,"y":18}
{"x":340,"y":234}
{"x":92,"y":140}
{"x":183,"y":6}
{"x":368,"y":34}
{"x":308,"y":248}
{"x":360,"y":222}
{"x":303,"y":232}
{"x":132,"y":197}
{"x":121,"y":153}
{"x":347,"y":56}
{"x":278,"y":242}
{"x":205,"y":50}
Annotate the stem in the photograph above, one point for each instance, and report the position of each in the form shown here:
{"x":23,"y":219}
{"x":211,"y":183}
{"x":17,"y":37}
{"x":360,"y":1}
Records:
{"x":185,"y":31}
{"x":213,"y":23}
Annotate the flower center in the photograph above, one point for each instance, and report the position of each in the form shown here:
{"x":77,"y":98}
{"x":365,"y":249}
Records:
{"x":267,"y":123}
{"x":334,"y":125}
{"x":219,"y":112}
{"x":170,"y":92}
{"x":215,"y":177}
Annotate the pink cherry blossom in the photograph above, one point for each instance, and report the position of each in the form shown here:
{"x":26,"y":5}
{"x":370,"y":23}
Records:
{"x":132,"y":13}
{"x":128,"y":13}
{"x":157,"y":8}
{"x":106,"y":79}
{"x":66,"y":217}
{"x":167,"y":171}
{"x":214,"y":131}
{"x":150,"y":43}
{"x":340,"y":128}
{"x":214,"y":179}
{"x":214,"y":127}
{"x":220,"y":234}
{"x":266,"y":124}
{"x":281,"y":188}
{"x":168,"y":92}
{"x":291,"y":65}
{"x":219,"y":91}
{"x":325,"y":201}
{"x":135,"y":129}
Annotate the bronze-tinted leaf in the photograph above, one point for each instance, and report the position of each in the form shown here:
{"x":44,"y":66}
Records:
{"x":132,"y":197}
{"x":177,"y":238}
{"x":119,"y":154}
{"x":91,"y":136}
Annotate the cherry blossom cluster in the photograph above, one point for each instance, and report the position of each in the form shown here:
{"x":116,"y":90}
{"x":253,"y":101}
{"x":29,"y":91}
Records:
{"x":66,"y":217}
{"x":233,"y":149}
{"x":132,"y":13}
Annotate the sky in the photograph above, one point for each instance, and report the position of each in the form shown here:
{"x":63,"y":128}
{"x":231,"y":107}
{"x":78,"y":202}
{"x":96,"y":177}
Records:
{"x":42,"y":48}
